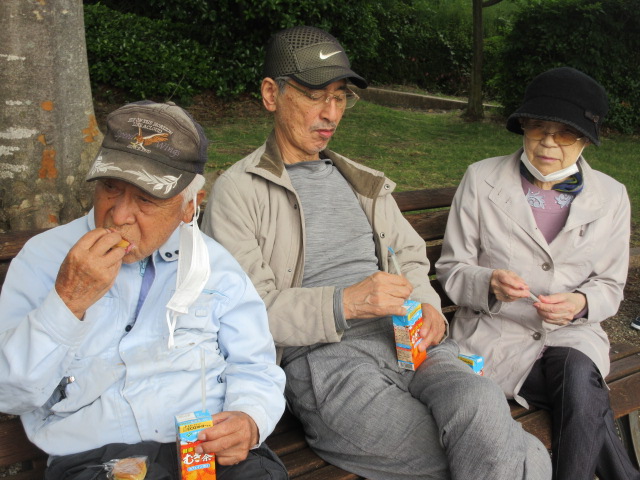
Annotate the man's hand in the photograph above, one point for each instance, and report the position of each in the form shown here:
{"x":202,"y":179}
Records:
{"x":433,"y":327}
{"x":230,"y":438}
{"x":89,"y":270}
{"x":507,"y":286}
{"x":560,"y":308}
{"x":377,"y":295}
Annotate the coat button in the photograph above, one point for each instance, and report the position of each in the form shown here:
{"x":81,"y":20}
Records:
{"x":387,"y":186}
{"x":537,"y":336}
{"x":382,"y":235}
{"x":295,"y":206}
{"x":546,"y":267}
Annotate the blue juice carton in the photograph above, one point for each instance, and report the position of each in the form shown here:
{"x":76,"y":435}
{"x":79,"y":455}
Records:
{"x":406,"y":329}
{"x":476,"y":362}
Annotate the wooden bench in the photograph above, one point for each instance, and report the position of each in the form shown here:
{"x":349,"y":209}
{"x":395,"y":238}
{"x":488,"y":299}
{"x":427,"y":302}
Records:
{"x":427,"y":211}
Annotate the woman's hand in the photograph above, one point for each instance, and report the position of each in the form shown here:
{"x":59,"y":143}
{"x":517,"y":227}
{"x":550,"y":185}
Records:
{"x":560,"y":308}
{"x":507,"y":286}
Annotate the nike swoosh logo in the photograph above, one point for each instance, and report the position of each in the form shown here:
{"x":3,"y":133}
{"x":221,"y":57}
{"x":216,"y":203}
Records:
{"x":324,"y":57}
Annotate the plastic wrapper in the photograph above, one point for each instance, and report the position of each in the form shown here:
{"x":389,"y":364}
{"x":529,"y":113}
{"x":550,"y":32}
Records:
{"x":129,"y":468}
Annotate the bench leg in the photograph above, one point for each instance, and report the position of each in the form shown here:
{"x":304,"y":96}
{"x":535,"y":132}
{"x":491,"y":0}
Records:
{"x":634,"y":427}
{"x":628,"y":429}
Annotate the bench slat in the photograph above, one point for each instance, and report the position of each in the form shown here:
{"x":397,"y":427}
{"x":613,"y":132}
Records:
{"x":15,"y":447}
{"x":624,"y":395}
{"x":430,"y":225}
{"x":329,"y":473}
{"x":623,"y":367}
{"x":538,"y":423}
{"x":620,"y":350}
{"x":12,"y":242}
{"x":287,"y":442}
{"x":424,"y":199}
{"x":303,"y":461}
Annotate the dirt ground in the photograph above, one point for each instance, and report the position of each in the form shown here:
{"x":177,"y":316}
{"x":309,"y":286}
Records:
{"x":617,"y":327}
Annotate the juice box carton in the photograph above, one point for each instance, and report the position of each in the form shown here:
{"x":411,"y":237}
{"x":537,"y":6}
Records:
{"x":406,"y":329}
{"x":194,"y":466}
{"x":476,"y":362}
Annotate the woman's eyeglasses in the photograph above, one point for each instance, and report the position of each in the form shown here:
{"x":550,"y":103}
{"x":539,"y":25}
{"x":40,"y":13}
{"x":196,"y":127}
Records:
{"x":563,"y":138}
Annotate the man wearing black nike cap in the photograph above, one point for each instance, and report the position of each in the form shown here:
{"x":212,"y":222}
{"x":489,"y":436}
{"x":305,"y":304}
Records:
{"x":313,"y":229}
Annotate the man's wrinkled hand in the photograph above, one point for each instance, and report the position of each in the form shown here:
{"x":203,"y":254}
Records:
{"x":433,"y":327}
{"x":89,"y":270}
{"x":378,"y":295}
{"x":232,"y":436}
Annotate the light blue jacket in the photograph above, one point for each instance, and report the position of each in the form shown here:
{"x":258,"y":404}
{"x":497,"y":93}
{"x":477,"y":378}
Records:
{"x":127,"y":386}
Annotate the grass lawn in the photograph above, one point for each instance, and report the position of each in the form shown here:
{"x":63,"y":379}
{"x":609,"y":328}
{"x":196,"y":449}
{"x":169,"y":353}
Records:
{"x":419,"y":149}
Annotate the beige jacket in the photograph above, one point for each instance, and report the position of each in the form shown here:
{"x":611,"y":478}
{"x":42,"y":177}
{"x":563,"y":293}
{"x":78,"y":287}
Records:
{"x":491,"y":226}
{"x":254,"y":212}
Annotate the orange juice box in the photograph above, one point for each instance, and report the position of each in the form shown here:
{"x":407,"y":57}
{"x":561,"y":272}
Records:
{"x":194,"y":466}
{"x":476,"y":362}
{"x":406,"y":329}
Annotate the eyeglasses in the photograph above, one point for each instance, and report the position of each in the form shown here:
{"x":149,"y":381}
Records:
{"x":564,"y":138}
{"x":343,"y":100}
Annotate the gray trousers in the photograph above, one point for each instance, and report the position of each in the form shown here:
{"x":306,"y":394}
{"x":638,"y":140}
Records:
{"x":363,"y":413}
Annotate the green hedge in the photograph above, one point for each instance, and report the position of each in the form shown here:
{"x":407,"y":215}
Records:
{"x":159,"y":48}
{"x":599,"y":37}
{"x":143,"y":57}
{"x":176,"y":48}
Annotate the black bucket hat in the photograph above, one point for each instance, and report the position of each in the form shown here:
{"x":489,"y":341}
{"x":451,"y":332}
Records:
{"x":564,"y":95}
{"x":311,"y":56}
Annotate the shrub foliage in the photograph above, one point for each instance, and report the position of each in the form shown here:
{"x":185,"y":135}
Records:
{"x":146,"y":58}
{"x":599,"y":37}
{"x":176,"y":48}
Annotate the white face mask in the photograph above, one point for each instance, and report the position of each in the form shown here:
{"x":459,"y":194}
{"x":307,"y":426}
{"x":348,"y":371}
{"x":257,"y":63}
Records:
{"x":193,"y":272}
{"x":552,"y":177}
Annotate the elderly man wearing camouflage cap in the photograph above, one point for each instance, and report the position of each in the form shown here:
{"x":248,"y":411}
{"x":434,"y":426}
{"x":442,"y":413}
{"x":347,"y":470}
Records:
{"x":313,"y":230}
{"x":118,"y":321}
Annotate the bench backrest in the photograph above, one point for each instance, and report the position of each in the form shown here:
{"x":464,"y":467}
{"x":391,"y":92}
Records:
{"x":427,"y":211}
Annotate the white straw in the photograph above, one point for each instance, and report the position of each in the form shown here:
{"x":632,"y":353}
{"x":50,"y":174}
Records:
{"x":395,"y":261}
{"x":203,"y":381}
{"x":533,"y":297}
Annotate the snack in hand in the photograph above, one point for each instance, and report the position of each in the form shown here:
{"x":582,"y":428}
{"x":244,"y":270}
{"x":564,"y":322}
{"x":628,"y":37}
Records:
{"x":132,"y":468}
{"x":122,"y":243}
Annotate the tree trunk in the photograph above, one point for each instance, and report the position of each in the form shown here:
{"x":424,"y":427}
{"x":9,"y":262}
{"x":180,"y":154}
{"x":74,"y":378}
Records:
{"x":474,"y":108}
{"x":48,"y":131}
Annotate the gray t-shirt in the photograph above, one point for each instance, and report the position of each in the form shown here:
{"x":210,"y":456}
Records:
{"x":339,"y":247}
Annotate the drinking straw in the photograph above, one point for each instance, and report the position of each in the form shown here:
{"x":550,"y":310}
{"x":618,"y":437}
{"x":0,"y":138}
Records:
{"x":203,"y":381}
{"x":394,"y":259}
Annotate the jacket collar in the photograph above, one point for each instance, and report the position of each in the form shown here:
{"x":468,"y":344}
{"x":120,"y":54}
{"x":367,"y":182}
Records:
{"x":507,"y":195}
{"x":365,"y":181}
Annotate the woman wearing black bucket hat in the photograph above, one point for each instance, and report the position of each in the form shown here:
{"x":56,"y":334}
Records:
{"x":536,"y":256}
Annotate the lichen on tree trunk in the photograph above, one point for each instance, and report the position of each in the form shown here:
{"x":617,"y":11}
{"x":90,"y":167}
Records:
{"x":48,"y":131}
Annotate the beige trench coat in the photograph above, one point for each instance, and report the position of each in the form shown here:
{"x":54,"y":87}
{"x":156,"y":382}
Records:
{"x":255,"y":213}
{"x":491,"y":226}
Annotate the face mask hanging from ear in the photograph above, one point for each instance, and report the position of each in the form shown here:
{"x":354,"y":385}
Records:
{"x":193,"y":272}
{"x":552,"y":177}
